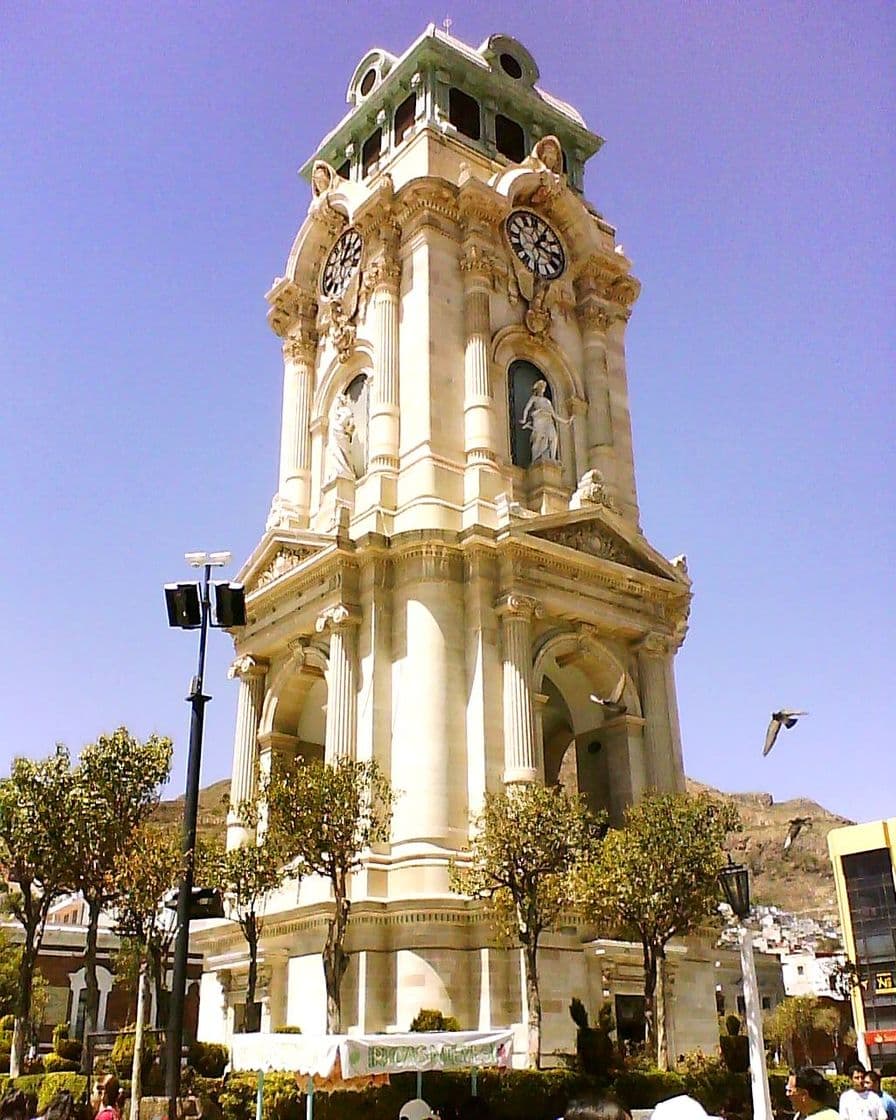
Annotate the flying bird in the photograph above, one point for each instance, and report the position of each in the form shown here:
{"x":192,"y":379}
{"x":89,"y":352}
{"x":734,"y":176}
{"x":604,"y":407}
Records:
{"x":613,"y":702}
{"x":796,"y":827}
{"x":780,"y":719}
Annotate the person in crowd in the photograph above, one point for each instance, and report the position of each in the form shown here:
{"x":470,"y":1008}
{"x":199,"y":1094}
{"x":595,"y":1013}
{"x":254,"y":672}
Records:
{"x":872,"y":1084}
{"x":859,"y":1103}
{"x":809,"y":1093}
{"x":595,"y":1108}
{"x":107,"y":1090}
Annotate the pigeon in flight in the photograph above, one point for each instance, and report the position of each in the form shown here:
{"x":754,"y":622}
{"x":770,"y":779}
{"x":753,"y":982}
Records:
{"x":784,"y":718}
{"x":613,"y":702}
{"x":796,"y":827}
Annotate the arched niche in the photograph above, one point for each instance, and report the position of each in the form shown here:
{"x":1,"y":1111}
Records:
{"x":584,"y":748}
{"x":515,"y":344}
{"x":522,"y":376}
{"x":293,"y":716}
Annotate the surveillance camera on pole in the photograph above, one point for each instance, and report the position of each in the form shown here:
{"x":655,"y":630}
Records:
{"x":189,"y":607}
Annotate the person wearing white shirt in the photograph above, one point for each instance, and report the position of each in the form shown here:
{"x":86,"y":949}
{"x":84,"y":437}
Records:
{"x":858,"y":1103}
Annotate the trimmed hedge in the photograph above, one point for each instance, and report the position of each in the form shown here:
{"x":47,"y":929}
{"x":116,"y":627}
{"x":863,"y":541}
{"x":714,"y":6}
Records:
{"x":56,"y":1063}
{"x":53,"y":1083}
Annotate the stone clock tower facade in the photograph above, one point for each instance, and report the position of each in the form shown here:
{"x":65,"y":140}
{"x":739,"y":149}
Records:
{"x":453,"y":562}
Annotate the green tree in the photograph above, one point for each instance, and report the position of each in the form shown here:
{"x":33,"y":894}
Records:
{"x":324,"y":817}
{"x":796,"y":1019}
{"x":147,"y":870}
{"x":35,"y":828}
{"x":117,"y":783}
{"x":525,"y":843}
{"x":657,"y":878}
{"x":247,"y":876}
{"x":10,"y":961}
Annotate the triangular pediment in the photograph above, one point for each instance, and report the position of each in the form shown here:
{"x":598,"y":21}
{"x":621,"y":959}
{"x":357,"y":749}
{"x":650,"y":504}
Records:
{"x":279,"y":553}
{"x":600,"y":533}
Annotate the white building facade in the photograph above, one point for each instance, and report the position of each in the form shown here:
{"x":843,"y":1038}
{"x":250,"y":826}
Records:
{"x":453,"y":561}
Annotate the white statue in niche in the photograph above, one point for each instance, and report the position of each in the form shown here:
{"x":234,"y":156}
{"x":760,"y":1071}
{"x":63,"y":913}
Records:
{"x":541,"y":420}
{"x":339,"y":447}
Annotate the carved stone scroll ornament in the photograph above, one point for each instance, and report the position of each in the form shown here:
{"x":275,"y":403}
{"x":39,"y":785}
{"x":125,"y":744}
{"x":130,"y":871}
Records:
{"x":538,"y":317}
{"x":283,"y":514}
{"x":334,"y":617}
{"x":592,"y":491}
{"x":247,"y":666}
{"x":323,"y":177}
{"x":517,"y":605}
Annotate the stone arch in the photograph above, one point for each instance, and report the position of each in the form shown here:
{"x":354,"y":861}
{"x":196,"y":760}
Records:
{"x":292,"y":716}
{"x":583,"y":747}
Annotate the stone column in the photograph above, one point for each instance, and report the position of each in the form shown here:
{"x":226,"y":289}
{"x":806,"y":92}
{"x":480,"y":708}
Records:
{"x":342,"y":691}
{"x":299,"y":353}
{"x":579,"y":411}
{"x":477,"y":268}
{"x":385,"y":276}
{"x":620,"y":416}
{"x":593,"y":323}
{"x":478,"y":437}
{"x":516,"y":613}
{"x":252,"y":673}
{"x":653,"y":659}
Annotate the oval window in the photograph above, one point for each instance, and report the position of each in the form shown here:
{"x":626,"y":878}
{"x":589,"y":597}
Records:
{"x":367,"y":81}
{"x":510,"y":66}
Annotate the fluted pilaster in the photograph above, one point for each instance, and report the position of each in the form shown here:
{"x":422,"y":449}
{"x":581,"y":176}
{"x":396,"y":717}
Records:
{"x":342,"y":692}
{"x":252,"y":673}
{"x":520,"y":752}
{"x":654,"y":658}
{"x":299,"y":351}
{"x":385,"y":276}
{"x":599,"y":427}
{"x":477,"y":272}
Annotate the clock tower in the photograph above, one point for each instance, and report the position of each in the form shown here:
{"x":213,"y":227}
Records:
{"x":453,"y":562}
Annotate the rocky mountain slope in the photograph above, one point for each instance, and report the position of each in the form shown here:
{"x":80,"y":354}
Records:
{"x":799,"y":880}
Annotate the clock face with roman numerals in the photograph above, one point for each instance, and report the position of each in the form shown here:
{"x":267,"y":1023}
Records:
{"x":341,"y":264}
{"x":536,"y":244}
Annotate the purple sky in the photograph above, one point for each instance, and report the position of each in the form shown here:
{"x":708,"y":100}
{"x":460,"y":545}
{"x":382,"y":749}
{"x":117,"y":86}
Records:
{"x":149,"y":196}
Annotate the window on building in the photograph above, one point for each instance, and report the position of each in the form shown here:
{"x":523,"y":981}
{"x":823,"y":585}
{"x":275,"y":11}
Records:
{"x":510,"y":140}
{"x":367,"y":81}
{"x":510,"y":66}
{"x":741,"y":1005}
{"x":345,"y":170}
{"x":720,"y":1002}
{"x":404,"y":117}
{"x":871,"y":896}
{"x":463,"y":113}
{"x":370,"y":153}
{"x":766,"y":1003}
{"x":800,"y":970}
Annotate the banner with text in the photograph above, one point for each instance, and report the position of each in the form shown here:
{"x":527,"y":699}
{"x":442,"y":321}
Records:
{"x":400,"y":1053}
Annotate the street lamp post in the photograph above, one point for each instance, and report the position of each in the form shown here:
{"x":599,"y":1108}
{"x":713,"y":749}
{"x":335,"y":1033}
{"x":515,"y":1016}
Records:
{"x":190,"y":608}
{"x":735,"y":884}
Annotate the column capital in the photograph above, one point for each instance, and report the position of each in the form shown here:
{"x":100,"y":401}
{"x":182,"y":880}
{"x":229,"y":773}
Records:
{"x":290,"y":306}
{"x":300,"y":345}
{"x":383,"y":273}
{"x":247,"y":666}
{"x":512,"y":604}
{"x":655,"y":645}
{"x":477,"y":266}
{"x":337,"y":617}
